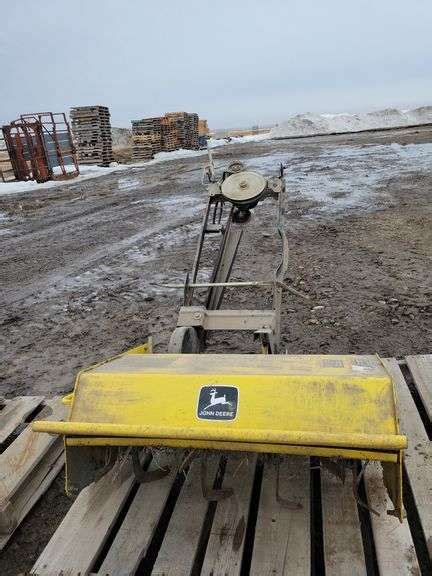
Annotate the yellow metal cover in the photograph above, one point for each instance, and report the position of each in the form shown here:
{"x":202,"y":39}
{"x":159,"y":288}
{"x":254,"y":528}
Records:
{"x":327,"y":406}
{"x":343,"y":405}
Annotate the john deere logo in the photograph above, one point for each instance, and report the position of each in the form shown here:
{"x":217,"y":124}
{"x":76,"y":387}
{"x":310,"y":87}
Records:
{"x":217,"y":403}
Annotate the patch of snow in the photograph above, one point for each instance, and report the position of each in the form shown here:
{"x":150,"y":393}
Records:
{"x":341,"y":178}
{"x":127,"y":183}
{"x":213,"y":142}
{"x":89,"y":171}
{"x":69,"y":168}
{"x":322,"y":124}
{"x":86,"y":173}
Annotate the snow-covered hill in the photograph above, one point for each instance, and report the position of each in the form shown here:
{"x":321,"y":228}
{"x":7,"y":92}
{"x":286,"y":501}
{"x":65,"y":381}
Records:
{"x":315,"y":124}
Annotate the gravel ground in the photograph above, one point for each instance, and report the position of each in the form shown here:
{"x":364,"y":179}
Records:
{"x":81,"y":266}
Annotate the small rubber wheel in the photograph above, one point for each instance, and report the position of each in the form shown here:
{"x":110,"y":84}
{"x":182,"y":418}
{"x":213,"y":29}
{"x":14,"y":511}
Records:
{"x":184,"y":340}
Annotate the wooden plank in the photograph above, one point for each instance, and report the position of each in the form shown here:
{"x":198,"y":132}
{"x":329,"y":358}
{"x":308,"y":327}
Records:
{"x":19,"y":459}
{"x":15,"y":412}
{"x":39,"y":482}
{"x":227,"y":535}
{"x":184,"y":530}
{"x":135,"y":534}
{"x":394,"y":547}
{"x":421,"y":369}
{"x":418,"y":455}
{"x":27,"y":468}
{"x":343,"y":545}
{"x":282,"y":535}
{"x":78,"y":540}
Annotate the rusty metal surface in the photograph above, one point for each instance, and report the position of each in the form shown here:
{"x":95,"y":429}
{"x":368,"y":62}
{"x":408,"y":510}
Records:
{"x":40,"y":147}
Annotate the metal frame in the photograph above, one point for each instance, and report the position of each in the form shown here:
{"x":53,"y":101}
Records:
{"x":218,"y":220}
{"x":53,"y":123}
{"x":26,"y":141}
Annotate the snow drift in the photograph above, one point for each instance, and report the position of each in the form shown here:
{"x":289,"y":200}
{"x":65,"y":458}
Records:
{"x":322,"y":124}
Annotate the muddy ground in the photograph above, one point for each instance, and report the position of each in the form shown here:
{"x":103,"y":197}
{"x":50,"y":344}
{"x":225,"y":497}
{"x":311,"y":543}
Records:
{"x":82,"y":265}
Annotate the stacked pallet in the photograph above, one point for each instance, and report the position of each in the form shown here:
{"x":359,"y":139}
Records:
{"x":146,"y":138}
{"x":171,"y":132}
{"x":182,"y":131}
{"x":92,"y":133}
{"x":203,"y":129}
{"x":192,"y":132}
{"x":175,"y":130}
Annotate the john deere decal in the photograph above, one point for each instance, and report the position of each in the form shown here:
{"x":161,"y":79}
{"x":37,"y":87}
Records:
{"x":217,"y":403}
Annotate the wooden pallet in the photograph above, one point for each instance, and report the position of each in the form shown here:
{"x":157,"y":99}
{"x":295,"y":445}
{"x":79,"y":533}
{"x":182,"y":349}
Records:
{"x":90,"y":126}
{"x":288,"y":515}
{"x":29,"y":462}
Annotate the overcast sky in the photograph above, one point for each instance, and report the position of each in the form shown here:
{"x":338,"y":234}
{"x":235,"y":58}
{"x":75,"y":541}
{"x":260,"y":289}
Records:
{"x":236,"y":62}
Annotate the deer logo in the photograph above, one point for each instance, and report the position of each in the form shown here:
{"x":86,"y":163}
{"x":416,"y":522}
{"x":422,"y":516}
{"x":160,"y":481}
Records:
{"x":214,"y":401}
{"x":218,"y":402}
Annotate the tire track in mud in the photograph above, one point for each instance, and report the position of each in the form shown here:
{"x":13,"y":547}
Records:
{"x":65,"y":240}
{"x":108,"y":252}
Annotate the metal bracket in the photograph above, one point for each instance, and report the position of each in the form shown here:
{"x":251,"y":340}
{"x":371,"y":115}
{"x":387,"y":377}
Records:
{"x":145,"y":476}
{"x":254,"y":320}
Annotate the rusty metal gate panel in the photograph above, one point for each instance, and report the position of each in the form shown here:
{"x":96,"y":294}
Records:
{"x":59,"y":147}
{"x":40,"y":147}
{"x":26,"y":151}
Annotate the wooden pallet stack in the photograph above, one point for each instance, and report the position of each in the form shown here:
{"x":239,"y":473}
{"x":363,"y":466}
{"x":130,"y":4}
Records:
{"x":182,"y":131}
{"x":146,"y":138}
{"x":171,"y":132}
{"x":91,"y":128}
{"x":203,"y":129}
{"x":192,"y":132}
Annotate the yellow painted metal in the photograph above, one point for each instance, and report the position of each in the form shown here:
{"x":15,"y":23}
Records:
{"x":334,"y":401}
{"x":68,"y":399}
{"x":146,"y":348}
{"x":327,"y":406}
{"x":221,"y":433}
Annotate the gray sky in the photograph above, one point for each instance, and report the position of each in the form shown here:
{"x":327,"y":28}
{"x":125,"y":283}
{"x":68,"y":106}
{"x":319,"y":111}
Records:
{"x":236,"y":63}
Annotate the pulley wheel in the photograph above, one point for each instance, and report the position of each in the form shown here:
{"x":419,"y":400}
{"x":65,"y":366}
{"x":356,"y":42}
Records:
{"x":243,"y":188}
{"x":184,"y":340}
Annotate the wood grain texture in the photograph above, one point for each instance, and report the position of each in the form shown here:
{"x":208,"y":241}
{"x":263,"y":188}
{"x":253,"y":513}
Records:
{"x":27,"y":468}
{"x":343,"y":545}
{"x":394,"y":547}
{"x":19,"y":459}
{"x":15,"y":412}
{"x":282,"y":535}
{"x":418,"y":455}
{"x":186,"y":523}
{"x":78,"y":540}
{"x":421,"y":369}
{"x":227,"y":535}
{"x":135,"y":533}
